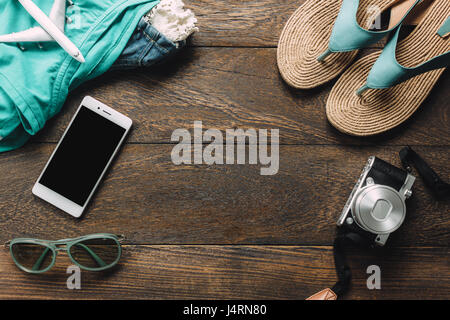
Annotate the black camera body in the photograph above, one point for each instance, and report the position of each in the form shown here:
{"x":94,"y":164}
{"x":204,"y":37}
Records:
{"x":376,"y":207}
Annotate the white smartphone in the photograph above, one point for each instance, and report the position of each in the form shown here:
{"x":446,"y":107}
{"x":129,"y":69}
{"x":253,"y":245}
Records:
{"x":82,"y":156}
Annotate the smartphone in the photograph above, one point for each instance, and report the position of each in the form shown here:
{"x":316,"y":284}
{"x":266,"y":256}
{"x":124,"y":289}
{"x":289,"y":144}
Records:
{"x":82,"y":156}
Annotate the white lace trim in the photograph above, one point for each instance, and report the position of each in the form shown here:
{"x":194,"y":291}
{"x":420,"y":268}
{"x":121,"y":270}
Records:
{"x":173,"y":20}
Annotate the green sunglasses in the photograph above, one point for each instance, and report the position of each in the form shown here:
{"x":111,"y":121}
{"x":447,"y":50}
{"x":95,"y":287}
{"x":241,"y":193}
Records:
{"x":95,"y":252}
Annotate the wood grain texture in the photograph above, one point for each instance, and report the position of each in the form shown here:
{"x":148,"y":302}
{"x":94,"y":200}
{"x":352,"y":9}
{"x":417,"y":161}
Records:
{"x":237,"y":87}
{"x":152,"y":201}
{"x":226,"y":232}
{"x":237,"y":272}
{"x":237,"y":23}
{"x":240,"y":23}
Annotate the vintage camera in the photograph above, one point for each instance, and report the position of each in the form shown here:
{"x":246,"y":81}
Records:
{"x":376,"y":207}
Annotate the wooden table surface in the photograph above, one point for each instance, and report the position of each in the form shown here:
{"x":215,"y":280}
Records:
{"x":220,"y":232}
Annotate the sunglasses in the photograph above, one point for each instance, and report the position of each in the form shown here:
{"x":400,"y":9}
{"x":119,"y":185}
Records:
{"x":95,"y":252}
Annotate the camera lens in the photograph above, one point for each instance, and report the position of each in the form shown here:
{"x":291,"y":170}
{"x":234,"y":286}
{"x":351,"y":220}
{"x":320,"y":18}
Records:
{"x":379,"y":209}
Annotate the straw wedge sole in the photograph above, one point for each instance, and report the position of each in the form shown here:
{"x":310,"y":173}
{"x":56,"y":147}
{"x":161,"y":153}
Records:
{"x":379,"y":110}
{"x":306,"y":36}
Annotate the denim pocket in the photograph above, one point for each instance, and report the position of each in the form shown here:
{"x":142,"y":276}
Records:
{"x":146,"y":47}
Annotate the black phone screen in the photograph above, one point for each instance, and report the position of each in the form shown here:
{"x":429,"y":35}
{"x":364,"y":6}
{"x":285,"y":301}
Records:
{"x":82,"y":156}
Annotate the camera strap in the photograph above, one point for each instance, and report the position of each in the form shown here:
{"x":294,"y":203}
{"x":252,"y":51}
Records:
{"x":343,"y":271}
{"x":344,"y":274}
{"x":431,"y":179}
{"x":441,"y":190}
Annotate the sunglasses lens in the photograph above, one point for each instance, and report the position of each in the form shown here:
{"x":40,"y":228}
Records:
{"x":96,"y":254}
{"x":33,"y":257}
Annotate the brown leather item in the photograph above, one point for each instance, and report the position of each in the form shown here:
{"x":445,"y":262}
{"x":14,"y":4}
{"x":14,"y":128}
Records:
{"x":326,"y":294}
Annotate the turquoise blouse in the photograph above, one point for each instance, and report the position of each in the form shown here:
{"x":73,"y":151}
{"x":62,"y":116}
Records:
{"x":35,"y":82}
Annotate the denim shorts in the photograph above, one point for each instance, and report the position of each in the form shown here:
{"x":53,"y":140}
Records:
{"x":146,"y":47}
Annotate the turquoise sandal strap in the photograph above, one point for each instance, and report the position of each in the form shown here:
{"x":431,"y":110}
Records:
{"x":444,"y":31}
{"x":387,"y":72}
{"x":348,"y":35}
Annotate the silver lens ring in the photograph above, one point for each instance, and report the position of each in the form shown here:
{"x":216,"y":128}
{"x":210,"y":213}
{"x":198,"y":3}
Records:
{"x":379,"y":209}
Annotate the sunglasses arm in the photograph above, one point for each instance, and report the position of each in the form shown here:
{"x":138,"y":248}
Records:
{"x":97,"y":259}
{"x":39,"y":261}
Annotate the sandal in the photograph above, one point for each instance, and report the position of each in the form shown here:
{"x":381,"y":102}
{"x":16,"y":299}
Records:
{"x":379,"y":92}
{"x":311,"y":52}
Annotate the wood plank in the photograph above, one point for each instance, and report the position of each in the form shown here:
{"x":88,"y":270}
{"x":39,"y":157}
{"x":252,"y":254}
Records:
{"x":237,"y":23}
{"x":237,"y":272}
{"x":152,"y":201}
{"x":232,"y":87}
{"x":241,"y":23}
